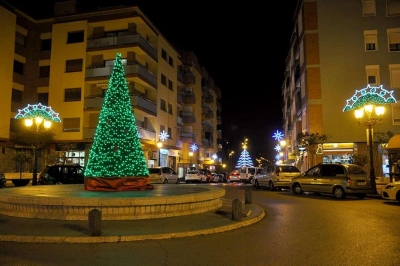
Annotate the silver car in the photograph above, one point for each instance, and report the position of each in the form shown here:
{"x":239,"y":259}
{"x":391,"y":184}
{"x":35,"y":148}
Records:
{"x":276,"y":176}
{"x":163,"y":175}
{"x":339,"y":180}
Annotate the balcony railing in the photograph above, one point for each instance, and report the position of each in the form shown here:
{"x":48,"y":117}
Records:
{"x":123,"y":40}
{"x":136,"y":69}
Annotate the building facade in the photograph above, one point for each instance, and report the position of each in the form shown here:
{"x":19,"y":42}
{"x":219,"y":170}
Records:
{"x":336,"y":48}
{"x":66,"y":61}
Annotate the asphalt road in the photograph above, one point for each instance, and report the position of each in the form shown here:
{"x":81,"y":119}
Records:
{"x":296,"y":230}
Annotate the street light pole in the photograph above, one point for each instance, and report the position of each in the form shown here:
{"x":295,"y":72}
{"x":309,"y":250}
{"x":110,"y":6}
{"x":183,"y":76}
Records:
{"x":159,"y":145}
{"x":369,"y":122}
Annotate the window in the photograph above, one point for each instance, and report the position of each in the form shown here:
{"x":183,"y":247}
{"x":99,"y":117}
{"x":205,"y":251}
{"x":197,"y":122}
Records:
{"x":162,"y":128}
{"x":394,"y":71}
{"x":170,"y":61}
{"x":170,"y":85}
{"x":71,"y":124}
{"x":43,"y":98}
{"x":396,"y":114}
{"x":44,"y":72}
{"x":169,"y":133}
{"x":20,"y":39}
{"x":163,"y":80}
{"x":393,"y":8}
{"x":72,"y":95}
{"x":372,"y":72}
{"x":16,"y":96}
{"x":45,"y":45}
{"x":369,"y":8}
{"x":394,"y":39}
{"x":75,"y":36}
{"x":18,"y":67}
{"x":163,"y":54}
{"x":371,"y":40}
{"x":170,"y":109}
{"x":162,"y":105}
{"x":74,"y":65}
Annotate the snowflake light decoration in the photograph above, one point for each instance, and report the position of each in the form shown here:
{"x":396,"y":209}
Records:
{"x":194,"y":147}
{"x":214,"y":156}
{"x":163,"y":135}
{"x":278,"y":148}
{"x":38,"y":110}
{"x":139,"y":135}
{"x":277,"y":156}
{"x":369,"y":95}
{"x":278,"y":135}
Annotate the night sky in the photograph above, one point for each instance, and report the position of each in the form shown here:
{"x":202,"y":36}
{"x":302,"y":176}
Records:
{"x":243,"y":47}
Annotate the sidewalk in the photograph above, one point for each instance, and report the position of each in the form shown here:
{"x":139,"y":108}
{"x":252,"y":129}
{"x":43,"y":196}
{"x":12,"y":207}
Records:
{"x":14,"y":229}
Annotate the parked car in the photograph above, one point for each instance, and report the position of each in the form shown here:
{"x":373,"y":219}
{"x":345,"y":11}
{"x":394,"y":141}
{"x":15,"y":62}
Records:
{"x":391,"y":192}
{"x":58,"y":174}
{"x":234,"y":176}
{"x":215,"y":178}
{"x":247,"y":173}
{"x":195,"y":176}
{"x":223,"y":176}
{"x":276,"y":176}
{"x":339,"y":180}
{"x":3,"y":180}
{"x":163,"y":175}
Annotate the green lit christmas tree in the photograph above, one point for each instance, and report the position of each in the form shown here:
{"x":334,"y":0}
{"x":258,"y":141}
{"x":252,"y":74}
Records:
{"x":116,"y":159}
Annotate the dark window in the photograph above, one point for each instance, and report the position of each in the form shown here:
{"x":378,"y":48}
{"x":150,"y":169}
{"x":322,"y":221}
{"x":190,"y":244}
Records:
{"x":170,"y":85}
{"x":20,"y":39}
{"x":371,"y":79}
{"x":370,"y":47}
{"x":14,"y":124}
{"x":45,"y":45}
{"x":171,"y":61}
{"x":170,"y":109}
{"x":43,"y":98}
{"x":18,"y":67}
{"x":16,"y":96}
{"x":163,"y":54}
{"x":44,"y":72}
{"x":74,"y":65}
{"x":75,"y":36}
{"x":394,"y":47}
{"x":169,"y":133}
{"x":163,"y":80}
{"x":162,"y":103}
{"x":72,"y":95}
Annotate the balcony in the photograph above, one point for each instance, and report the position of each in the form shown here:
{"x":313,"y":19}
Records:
{"x":207,"y":143}
{"x":188,"y":97}
{"x":137,"y":69}
{"x":137,"y":101}
{"x":189,"y":77}
{"x":188,"y":137}
{"x":122,"y":41}
{"x":188,"y":117}
{"x":207,"y":126}
{"x":207,"y":99}
{"x":179,"y":121}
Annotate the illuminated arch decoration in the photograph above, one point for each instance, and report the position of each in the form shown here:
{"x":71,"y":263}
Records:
{"x":278,"y":135}
{"x":194,"y":147}
{"x":38,"y":110}
{"x":369,"y":95}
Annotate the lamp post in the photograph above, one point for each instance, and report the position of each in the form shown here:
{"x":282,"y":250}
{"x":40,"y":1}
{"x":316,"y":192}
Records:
{"x":364,"y":116}
{"x":39,"y":122}
{"x":159,"y":146}
{"x":190,"y":156}
{"x":230,"y":158}
{"x":283,"y":145}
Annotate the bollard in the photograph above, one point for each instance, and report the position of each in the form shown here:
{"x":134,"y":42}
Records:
{"x":248,"y":196}
{"x":95,"y":222}
{"x":236,"y":210}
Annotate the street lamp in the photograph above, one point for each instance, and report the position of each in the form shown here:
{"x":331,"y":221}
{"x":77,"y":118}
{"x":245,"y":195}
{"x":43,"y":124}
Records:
{"x":364,"y":116}
{"x":39,"y":122}
{"x":190,"y":156}
{"x":283,"y":145}
{"x":230,"y":158}
{"x":159,"y":146}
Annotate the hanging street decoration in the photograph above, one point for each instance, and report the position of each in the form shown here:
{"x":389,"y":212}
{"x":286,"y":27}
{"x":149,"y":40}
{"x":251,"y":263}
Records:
{"x":194,"y":147}
{"x":163,"y":135}
{"x":244,"y":159}
{"x":214,"y":156}
{"x":38,"y":110}
{"x":278,"y":135}
{"x":278,"y":148}
{"x":369,"y":95}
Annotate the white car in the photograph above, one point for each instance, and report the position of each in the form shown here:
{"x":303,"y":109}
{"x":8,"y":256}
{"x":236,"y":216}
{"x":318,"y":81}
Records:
{"x":163,"y":175}
{"x":195,"y":176}
{"x":391,"y":191}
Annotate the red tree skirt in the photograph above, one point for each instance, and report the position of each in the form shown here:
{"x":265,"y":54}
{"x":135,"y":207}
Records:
{"x":117,"y":183}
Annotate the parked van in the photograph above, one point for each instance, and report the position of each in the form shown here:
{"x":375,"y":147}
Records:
{"x":247,"y":173}
{"x":276,"y":176}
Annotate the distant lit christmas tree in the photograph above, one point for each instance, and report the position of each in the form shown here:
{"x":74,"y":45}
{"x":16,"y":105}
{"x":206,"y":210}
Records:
{"x":116,"y":159}
{"x":244,"y":159}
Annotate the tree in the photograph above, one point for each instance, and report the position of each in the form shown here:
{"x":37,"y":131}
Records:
{"x":29,"y":136}
{"x":21,"y":158}
{"x":383,"y":137}
{"x":310,"y":142}
{"x":359,"y":159}
{"x":116,"y":159}
{"x":244,"y":159}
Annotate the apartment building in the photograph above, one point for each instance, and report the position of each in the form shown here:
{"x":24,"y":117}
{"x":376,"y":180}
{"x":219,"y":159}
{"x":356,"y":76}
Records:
{"x":66,"y":61}
{"x":336,"y":48}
